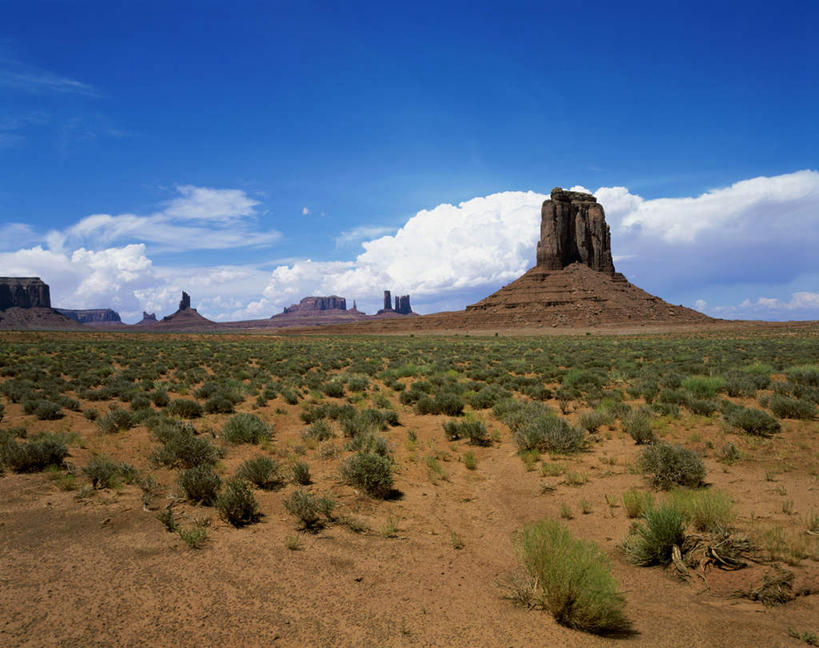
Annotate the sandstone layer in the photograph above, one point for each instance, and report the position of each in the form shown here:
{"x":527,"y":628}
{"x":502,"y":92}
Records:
{"x":24,"y":292}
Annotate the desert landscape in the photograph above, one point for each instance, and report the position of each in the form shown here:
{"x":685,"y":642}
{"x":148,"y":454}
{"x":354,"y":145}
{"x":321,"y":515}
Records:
{"x":409,"y":324}
{"x":569,"y":461}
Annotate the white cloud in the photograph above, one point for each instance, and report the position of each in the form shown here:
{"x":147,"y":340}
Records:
{"x":30,"y":79}
{"x":361,"y":233}
{"x":305,"y":211}
{"x":200,"y":218}
{"x":440,"y":251}
{"x":801,"y":305}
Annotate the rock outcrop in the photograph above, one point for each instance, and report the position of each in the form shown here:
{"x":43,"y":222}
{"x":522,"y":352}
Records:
{"x":402,"y":305}
{"x":573,"y":229}
{"x":315,"y":304}
{"x":91,"y":315}
{"x":148,"y":317}
{"x":185,"y":302}
{"x":24,"y":292}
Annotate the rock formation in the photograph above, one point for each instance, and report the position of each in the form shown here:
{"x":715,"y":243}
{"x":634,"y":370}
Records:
{"x":573,"y":229}
{"x":402,"y":305}
{"x":148,"y":317}
{"x":313,"y":304}
{"x":91,"y":316}
{"x":185,"y":302}
{"x":24,"y":292}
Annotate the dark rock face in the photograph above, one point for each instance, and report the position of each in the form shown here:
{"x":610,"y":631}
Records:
{"x":312,"y":304}
{"x":573,"y":229}
{"x":402,"y":305}
{"x":185,"y":302}
{"x":148,"y":317}
{"x":24,"y":292}
{"x":387,"y":301}
{"x":91,"y":315}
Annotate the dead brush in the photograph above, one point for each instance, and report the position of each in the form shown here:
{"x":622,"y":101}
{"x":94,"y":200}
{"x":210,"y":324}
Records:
{"x":721,"y":550}
{"x":776,"y":588}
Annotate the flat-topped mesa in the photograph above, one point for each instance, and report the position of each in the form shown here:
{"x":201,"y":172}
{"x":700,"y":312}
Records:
{"x":185,"y":302}
{"x":313,"y":304}
{"x":24,"y":292}
{"x":91,"y":315}
{"x":573,"y":229}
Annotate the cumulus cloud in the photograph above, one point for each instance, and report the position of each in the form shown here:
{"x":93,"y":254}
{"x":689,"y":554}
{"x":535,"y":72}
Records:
{"x":439,"y":252}
{"x":800,"y":305}
{"x":199,"y":218}
{"x":361,"y":233}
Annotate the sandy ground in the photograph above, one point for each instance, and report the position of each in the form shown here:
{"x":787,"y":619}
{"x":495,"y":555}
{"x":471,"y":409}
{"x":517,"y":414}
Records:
{"x":100,"y":570}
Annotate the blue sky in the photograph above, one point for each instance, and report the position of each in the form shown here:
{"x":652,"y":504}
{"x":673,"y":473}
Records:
{"x":256,"y":153}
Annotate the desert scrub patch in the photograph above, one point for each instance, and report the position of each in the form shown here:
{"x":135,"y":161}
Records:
{"x":570,"y":578}
{"x":369,"y":472}
{"x":668,"y":465}
{"x":792,"y":408}
{"x":186,"y":408}
{"x":200,"y":484}
{"x":475,"y":431}
{"x":262,"y":472}
{"x":703,"y":407}
{"x":549,"y":434}
{"x":102,"y":472}
{"x":711,"y":511}
{"x":313,"y":512}
{"x":637,"y":502}
{"x":804,"y":375}
{"x":703,"y":386}
{"x":652,"y":540}
{"x":752,"y":421}
{"x":470,"y":462}
{"x":637,"y":424}
{"x":594,"y":420}
{"x":443,"y":403}
{"x":319,"y":431}
{"x":34,"y":455}
{"x":246,"y":428}
{"x":237,"y":504}
{"x":181,"y":447}
{"x":116,"y":419}
{"x":300,"y":472}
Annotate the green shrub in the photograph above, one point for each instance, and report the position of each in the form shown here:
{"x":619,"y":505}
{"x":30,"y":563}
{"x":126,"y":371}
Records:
{"x":637,"y":425}
{"x":594,"y":420}
{"x":160,"y":398}
{"x":301,"y":473}
{"x":549,"y":434}
{"x":358,"y":382}
{"x":791,"y":408}
{"x":263,"y":472}
{"x":140,"y":401}
{"x":671,"y":465}
{"x":652,"y":541}
{"x":443,"y":403}
{"x":182,"y":448}
{"x":318,"y":430}
{"x":47,"y":411}
{"x":804,"y":375}
{"x":246,"y":428}
{"x":369,"y":472}
{"x":220,"y":403}
{"x":200,"y":484}
{"x":739,"y":384}
{"x":185,"y":408}
{"x":237,"y":504}
{"x":571,"y":578}
{"x":475,"y":431}
{"x":102,"y":472}
{"x":703,"y":407}
{"x":709,"y":510}
{"x":333,"y":388}
{"x":35,"y":455}
{"x":637,"y":502}
{"x":116,"y":420}
{"x":312,"y":511}
{"x":703,"y":386}
{"x":583,"y":379}
{"x":752,"y":421}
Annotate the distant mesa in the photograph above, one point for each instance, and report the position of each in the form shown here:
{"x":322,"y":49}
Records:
{"x":148,"y":317}
{"x":186,"y":318}
{"x":402,"y":305}
{"x":91,"y":315}
{"x":24,"y":292}
{"x":25,"y":303}
{"x":317,"y":304}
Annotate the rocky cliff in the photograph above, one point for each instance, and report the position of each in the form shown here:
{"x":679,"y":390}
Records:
{"x":573,"y":229}
{"x":24,"y":292}
{"x":185,"y":302}
{"x":91,"y":316}
{"x":316,"y":304}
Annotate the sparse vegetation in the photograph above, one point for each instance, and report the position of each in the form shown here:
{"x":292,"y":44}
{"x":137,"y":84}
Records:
{"x":668,"y":465}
